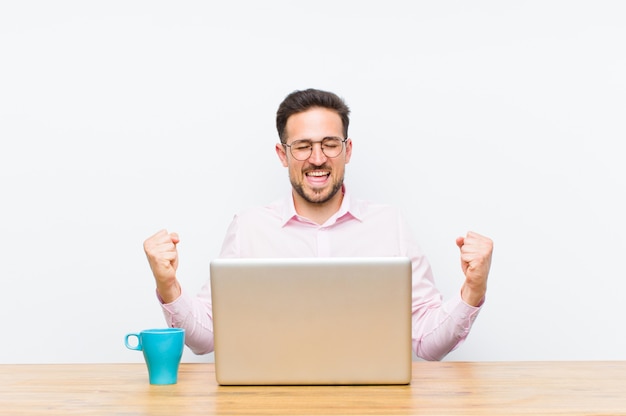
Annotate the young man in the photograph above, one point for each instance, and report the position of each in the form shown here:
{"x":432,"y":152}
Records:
{"x":321,"y":219}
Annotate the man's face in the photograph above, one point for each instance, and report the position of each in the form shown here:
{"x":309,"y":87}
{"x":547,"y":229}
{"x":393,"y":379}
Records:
{"x":317,"y":179}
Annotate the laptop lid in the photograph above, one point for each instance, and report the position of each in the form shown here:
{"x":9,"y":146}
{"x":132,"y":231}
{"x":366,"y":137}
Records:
{"x":331,"y":321}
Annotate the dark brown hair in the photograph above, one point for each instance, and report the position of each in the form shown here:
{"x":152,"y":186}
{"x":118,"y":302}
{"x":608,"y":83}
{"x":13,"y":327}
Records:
{"x":299,"y":101}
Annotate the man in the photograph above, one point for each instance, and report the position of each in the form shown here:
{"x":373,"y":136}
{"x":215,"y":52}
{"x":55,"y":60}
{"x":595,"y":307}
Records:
{"x":321,"y":219}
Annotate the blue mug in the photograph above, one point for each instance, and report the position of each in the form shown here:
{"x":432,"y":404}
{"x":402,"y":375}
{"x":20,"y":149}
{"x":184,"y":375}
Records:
{"x":162,"y":351}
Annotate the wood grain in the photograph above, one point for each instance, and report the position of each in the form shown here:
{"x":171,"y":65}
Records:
{"x":437,"y":388}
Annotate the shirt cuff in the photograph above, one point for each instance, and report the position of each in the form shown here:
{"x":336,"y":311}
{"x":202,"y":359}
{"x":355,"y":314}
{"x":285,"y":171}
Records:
{"x":176,"y":311}
{"x":464,"y":313}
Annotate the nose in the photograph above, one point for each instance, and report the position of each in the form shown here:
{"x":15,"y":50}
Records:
{"x":317,"y":155}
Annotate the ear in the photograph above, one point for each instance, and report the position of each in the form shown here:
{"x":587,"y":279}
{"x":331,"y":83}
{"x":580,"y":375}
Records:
{"x":348,"y":150}
{"x":280,"y":151}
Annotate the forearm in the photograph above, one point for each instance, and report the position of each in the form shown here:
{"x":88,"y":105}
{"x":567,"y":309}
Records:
{"x":472,"y":294}
{"x":168,"y":292}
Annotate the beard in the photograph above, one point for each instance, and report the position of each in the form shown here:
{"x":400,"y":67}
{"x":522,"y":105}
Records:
{"x":317,"y":196}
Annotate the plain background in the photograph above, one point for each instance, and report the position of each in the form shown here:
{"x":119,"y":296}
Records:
{"x":119,"y":118}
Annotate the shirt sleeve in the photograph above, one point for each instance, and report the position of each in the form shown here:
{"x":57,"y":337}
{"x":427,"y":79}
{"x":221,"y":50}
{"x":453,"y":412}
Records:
{"x":194,"y":315}
{"x":442,"y":329}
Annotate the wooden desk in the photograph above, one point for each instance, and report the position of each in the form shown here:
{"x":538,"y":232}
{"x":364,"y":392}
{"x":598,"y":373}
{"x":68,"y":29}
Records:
{"x":438,"y":388}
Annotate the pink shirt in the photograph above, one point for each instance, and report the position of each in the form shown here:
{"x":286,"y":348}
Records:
{"x":359,"y":228}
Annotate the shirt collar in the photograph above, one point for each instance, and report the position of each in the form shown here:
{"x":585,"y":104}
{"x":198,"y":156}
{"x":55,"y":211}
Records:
{"x":349,"y":207}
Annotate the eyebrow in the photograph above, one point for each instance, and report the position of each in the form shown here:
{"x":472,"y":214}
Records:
{"x":323,"y":138}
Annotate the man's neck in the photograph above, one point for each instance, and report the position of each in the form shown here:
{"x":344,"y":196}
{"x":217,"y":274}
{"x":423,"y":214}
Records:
{"x":319,"y":213}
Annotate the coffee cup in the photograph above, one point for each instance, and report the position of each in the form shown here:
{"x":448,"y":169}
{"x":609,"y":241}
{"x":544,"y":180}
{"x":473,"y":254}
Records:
{"x":162,"y":351}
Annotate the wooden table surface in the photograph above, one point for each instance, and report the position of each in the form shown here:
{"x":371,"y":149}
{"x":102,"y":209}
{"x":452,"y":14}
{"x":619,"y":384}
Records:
{"x":437,"y":388}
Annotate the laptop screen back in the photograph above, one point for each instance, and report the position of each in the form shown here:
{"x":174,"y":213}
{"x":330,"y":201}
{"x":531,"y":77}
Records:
{"x":312,"y":320}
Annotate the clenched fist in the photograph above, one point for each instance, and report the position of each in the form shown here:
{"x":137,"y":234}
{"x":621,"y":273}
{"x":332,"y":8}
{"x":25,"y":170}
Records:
{"x":475,"y":262}
{"x":163,"y":258}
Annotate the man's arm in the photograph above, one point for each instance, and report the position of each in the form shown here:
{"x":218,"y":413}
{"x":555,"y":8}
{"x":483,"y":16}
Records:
{"x":440,"y":327}
{"x":180,"y":310}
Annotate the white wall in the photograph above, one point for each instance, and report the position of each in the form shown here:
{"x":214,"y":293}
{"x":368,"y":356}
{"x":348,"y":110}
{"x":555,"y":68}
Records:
{"x":118,"y":118}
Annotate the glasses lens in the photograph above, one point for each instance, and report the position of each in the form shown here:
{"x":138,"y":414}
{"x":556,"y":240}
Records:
{"x":332,"y":147}
{"x":301,"y":149}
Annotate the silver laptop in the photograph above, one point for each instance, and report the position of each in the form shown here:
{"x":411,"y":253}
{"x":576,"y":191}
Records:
{"x":312,"y":321}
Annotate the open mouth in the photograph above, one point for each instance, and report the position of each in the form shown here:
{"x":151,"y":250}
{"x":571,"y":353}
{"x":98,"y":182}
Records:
{"x":317,"y":176}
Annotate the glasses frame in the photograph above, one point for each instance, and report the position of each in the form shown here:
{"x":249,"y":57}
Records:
{"x":343,"y":142}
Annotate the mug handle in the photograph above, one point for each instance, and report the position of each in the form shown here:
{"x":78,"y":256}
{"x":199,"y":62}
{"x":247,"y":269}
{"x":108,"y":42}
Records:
{"x":131,"y":347}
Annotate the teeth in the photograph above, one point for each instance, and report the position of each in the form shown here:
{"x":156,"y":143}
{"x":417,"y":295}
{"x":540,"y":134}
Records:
{"x":317,"y":173}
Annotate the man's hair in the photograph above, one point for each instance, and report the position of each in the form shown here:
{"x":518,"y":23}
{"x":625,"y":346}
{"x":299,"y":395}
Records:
{"x":299,"y":101}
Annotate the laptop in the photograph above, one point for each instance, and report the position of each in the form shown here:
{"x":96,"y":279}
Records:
{"x":312,"y":321}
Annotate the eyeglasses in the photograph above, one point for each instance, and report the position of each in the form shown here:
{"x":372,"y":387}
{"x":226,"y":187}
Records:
{"x":302,"y":149}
